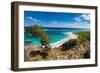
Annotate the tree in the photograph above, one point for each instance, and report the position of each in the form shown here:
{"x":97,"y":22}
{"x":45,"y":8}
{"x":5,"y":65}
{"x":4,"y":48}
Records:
{"x":37,"y":32}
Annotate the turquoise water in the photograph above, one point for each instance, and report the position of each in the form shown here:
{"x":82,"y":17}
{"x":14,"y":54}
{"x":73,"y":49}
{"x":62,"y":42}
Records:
{"x":54,"y":34}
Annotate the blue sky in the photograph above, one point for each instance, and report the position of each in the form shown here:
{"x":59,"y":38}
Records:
{"x":55,"y":19}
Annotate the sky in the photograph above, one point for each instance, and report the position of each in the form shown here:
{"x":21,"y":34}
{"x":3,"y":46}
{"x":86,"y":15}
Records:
{"x":57,"y":19}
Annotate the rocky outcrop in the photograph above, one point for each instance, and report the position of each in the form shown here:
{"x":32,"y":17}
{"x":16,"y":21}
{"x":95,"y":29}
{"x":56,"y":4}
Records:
{"x":70,"y":50}
{"x":69,"y":44}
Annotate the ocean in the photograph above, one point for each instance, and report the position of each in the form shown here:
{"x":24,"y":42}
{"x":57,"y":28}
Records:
{"x":55,"y":34}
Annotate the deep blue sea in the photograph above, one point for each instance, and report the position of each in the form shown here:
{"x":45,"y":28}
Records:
{"x":55,"y":34}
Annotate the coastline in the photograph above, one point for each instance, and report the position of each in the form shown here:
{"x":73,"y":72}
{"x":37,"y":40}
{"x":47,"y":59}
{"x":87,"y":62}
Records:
{"x":78,"y":51}
{"x":59,"y":43}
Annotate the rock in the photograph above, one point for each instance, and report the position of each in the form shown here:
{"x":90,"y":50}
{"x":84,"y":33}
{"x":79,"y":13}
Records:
{"x":34,"y":53}
{"x":87,"y":54}
{"x":69,"y":44}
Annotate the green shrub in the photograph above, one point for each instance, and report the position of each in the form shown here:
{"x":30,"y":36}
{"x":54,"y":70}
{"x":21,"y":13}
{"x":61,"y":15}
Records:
{"x":83,"y":36}
{"x":37,"y":32}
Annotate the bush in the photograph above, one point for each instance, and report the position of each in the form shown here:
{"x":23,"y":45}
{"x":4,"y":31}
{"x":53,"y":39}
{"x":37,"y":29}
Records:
{"x":83,"y":36}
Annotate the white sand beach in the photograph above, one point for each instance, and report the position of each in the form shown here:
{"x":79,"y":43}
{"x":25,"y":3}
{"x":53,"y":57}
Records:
{"x":59,"y":43}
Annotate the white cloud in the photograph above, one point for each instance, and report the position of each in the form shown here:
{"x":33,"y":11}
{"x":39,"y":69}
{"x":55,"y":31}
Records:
{"x":82,"y":18}
{"x":70,"y":25}
{"x":78,"y":19}
{"x":77,"y":25}
{"x":54,"y":22}
{"x":33,"y":19}
{"x":81,"y":25}
{"x":29,"y":17}
{"x":86,"y":16}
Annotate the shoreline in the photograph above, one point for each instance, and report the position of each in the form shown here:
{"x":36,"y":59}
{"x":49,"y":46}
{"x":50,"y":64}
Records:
{"x":59,"y":43}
